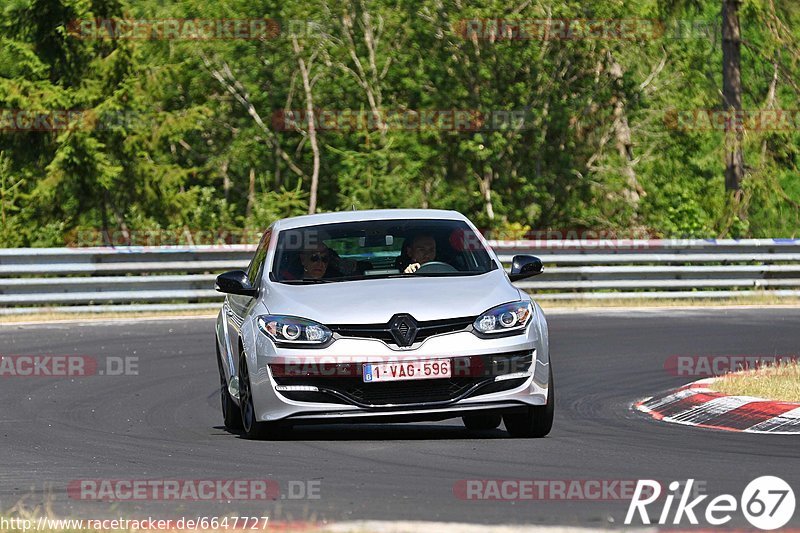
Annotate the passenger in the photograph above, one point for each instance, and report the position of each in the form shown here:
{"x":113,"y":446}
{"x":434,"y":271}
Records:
{"x":318,"y":262}
{"x":315,"y":262}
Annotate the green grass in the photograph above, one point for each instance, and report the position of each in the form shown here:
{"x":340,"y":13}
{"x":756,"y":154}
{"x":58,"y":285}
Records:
{"x":55,"y":315}
{"x":780,"y":382}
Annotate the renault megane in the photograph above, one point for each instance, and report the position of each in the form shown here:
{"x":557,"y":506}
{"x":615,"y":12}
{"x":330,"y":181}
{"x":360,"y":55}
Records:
{"x":381,"y":316}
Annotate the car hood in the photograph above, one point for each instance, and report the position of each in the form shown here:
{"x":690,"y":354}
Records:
{"x":376,"y":301}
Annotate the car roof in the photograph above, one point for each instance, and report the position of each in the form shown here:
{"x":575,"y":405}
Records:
{"x":366,"y":215}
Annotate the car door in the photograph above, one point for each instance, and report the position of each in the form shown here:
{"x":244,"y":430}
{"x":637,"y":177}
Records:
{"x":237,"y":307}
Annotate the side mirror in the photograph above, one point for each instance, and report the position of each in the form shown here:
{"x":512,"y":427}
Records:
{"x":235,"y":282}
{"x":525,"y":266}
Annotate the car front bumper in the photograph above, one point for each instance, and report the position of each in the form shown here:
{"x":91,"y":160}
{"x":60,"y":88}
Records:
{"x":528,"y":387}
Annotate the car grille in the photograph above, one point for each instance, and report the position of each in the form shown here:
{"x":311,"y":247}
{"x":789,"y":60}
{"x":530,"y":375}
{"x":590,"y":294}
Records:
{"x":472,"y":376}
{"x":382,"y":332}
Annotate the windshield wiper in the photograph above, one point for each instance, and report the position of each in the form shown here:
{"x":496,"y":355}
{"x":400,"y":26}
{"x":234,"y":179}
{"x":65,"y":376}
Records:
{"x":447,"y":274}
{"x":312,"y":281}
{"x":307,"y":281}
{"x":425,"y":275}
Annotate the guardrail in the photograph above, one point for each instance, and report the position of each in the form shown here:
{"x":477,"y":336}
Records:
{"x":179,"y":277}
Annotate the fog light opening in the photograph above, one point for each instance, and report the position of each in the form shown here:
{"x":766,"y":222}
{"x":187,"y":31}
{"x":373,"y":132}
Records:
{"x":515,"y":375}
{"x":296,"y":388}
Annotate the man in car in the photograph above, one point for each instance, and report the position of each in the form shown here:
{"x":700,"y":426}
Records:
{"x":419,"y":250}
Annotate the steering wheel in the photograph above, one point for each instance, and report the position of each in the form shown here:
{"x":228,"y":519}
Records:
{"x":435,"y":267}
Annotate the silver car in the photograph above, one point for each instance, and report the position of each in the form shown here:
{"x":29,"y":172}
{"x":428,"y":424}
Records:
{"x":381,"y":316}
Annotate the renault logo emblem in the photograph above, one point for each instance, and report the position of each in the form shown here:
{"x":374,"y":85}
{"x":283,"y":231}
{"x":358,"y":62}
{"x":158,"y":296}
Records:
{"x":404,"y":329}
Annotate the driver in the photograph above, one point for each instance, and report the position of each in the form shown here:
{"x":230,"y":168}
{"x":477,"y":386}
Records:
{"x":420,"y":249}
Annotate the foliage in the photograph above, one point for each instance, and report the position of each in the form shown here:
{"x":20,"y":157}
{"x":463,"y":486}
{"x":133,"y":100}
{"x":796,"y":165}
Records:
{"x":186,"y":135}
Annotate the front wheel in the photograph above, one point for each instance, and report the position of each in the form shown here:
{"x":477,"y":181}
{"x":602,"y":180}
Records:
{"x":536,"y":421}
{"x":253,"y":429}
{"x":231,"y":414}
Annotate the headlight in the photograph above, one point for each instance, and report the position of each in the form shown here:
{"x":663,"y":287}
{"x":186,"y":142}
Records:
{"x":504,"y":318}
{"x":289,"y":330}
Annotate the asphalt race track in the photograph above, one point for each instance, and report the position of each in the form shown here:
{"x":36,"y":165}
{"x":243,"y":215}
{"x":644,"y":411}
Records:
{"x":165,"y":423}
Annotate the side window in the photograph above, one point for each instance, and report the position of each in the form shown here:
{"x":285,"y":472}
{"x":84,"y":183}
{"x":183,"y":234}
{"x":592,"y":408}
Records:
{"x":256,"y":267}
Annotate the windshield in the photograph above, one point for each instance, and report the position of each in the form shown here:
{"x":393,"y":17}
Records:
{"x":372,"y":249}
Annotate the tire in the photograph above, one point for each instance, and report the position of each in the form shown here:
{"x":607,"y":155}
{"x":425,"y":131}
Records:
{"x":481,"y":422}
{"x":537,"y":421}
{"x":251,"y":428}
{"x":231,"y":414}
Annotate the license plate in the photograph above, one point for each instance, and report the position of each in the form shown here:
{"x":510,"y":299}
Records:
{"x":400,"y":371}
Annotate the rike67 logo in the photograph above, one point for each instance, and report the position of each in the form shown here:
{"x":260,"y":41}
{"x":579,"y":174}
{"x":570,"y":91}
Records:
{"x":767,"y":502}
